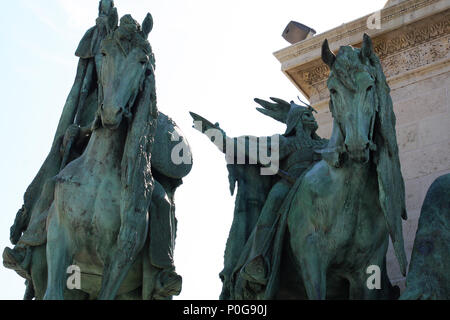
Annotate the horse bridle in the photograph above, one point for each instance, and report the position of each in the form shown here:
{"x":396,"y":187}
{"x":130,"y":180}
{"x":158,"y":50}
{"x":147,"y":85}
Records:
{"x":372,"y":145}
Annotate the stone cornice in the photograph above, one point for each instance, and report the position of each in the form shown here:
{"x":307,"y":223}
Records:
{"x":356,"y":27}
{"x":407,"y":40}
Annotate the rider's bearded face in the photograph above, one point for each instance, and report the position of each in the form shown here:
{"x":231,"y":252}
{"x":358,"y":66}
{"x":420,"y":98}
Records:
{"x":106,"y":6}
{"x":309,"y":122}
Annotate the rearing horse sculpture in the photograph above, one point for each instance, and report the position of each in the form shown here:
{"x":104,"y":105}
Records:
{"x":105,"y":200}
{"x":348,"y":204}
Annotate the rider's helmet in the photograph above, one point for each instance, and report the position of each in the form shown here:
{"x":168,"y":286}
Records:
{"x":294,"y":117}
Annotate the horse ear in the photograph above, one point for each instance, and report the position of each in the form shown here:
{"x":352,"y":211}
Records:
{"x":327,"y":56}
{"x":367,"y":46}
{"x":147,"y":25}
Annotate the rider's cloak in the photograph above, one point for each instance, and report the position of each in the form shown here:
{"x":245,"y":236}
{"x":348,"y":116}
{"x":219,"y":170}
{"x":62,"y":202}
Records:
{"x":39,"y":194}
{"x":276,"y":239}
{"x":252,"y":191}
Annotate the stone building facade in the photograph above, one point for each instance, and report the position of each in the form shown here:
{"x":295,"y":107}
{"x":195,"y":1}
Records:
{"x":413,"y":43}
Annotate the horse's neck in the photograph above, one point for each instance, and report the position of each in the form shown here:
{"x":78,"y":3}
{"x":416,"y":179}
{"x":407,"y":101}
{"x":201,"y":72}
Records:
{"x":106,"y":146}
{"x":351,"y":169}
{"x":356,"y":177}
{"x":357,"y":170}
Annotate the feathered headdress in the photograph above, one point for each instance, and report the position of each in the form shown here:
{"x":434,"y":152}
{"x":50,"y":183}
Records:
{"x":285,"y":112}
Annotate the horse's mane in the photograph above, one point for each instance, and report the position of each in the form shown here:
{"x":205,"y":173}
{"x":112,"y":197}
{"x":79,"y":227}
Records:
{"x":137,"y":180}
{"x":386,"y":158}
{"x":348,"y":62}
{"x":390,"y":179}
{"x":136,"y":175}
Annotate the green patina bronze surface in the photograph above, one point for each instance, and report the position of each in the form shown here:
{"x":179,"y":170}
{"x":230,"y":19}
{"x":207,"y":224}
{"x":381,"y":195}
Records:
{"x":99,"y":201}
{"x":259,"y":197}
{"x":428,"y":276}
{"x":348,"y":204}
{"x":104,"y":198}
{"x":312,"y":230}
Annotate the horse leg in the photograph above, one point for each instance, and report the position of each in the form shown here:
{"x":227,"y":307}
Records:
{"x":309,"y":256}
{"x":130,"y":241}
{"x":389,"y":292}
{"x":58,"y":258}
{"x":307,"y":242}
{"x":133,"y":295}
{"x":39,"y":271}
{"x":75,"y":295}
{"x":364,"y":282}
{"x":149,"y":274}
{"x":161,"y":245}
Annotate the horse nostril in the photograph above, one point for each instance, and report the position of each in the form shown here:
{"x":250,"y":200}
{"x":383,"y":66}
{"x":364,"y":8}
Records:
{"x":119,"y":111}
{"x":102,"y":106}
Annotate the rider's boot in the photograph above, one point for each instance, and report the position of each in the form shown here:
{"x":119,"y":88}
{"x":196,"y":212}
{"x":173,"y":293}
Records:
{"x":257,"y":269}
{"x":168,"y":284}
{"x":18,"y":260}
{"x":29,"y":292}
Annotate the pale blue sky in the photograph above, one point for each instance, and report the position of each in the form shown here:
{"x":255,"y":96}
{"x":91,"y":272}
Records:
{"x":213,"y":57}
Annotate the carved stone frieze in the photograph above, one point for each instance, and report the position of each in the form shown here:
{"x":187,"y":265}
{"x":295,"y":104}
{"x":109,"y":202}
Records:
{"x":401,"y":50}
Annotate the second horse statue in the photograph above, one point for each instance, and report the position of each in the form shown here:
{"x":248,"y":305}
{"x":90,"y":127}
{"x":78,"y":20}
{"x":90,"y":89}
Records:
{"x":317,"y":227}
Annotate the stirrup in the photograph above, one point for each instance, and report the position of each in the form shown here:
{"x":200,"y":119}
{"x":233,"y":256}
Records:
{"x":255,"y":271}
{"x":168,"y":283}
{"x":11,"y":261}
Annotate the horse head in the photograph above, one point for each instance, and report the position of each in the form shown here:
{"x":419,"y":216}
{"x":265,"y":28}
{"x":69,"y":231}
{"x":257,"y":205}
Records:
{"x":364,"y":121}
{"x":127,"y":61}
{"x":127,"y":90}
{"x":353,"y":97}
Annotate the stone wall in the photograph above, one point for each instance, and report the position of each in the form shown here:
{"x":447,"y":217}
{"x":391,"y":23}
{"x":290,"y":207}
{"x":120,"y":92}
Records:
{"x":414,"y":47}
{"x":422,"y":107}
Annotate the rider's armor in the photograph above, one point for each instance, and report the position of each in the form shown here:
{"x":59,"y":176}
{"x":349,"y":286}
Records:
{"x":299,"y":160}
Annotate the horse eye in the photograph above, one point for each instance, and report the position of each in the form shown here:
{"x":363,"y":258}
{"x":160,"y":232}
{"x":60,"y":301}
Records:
{"x":369,"y":88}
{"x":333,"y":91}
{"x":104,"y":53}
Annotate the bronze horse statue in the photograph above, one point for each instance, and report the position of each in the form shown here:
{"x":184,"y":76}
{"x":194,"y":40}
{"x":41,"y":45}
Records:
{"x":334,"y":225}
{"x":348,"y":204}
{"x":107,"y":201}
